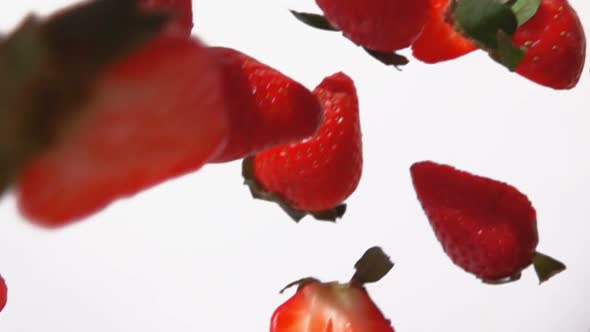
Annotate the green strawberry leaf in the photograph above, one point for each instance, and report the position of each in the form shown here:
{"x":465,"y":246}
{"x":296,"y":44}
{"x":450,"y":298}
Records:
{"x":546,"y":267}
{"x":491,"y":24}
{"x":314,"y":20}
{"x":388,"y":59}
{"x":524,"y":10}
{"x":372,"y":266}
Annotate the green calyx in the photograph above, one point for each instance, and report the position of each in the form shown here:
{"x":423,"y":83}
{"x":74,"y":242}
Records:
{"x":546,"y":267}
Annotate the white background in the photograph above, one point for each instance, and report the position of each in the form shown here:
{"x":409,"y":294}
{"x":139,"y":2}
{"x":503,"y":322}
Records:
{"x":198,"y":254}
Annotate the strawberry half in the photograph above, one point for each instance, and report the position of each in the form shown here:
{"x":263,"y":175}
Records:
{"x":3,"y":293}
{"x":333,"y":306}
{"x":182,"y":11}
{"x":318,"y":173}
{"x":154,"y":115}
{"x":555,"y":46}
{"x":486,"y":227}
{"x":439,"y":41}
{"x":379,"y":25}
{"x":266,"y":108}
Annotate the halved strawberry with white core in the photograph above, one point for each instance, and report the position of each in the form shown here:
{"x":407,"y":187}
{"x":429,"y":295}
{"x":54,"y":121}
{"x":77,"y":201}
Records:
{"x":155,"y":115}
{"x":336,"y":307}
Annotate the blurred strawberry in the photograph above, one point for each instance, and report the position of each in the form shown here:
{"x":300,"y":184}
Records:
{"x":3,"y":293}
{"x":555,"y":46}
{"x":439,"y":41}
{"x":266,"y":108}
{"x":487,"y":227}
{"x":318,"y":173}
{"x":379,"y":25}
{"x":182,"y":13}
{"x":154,"y":115}
{"x":333,"y":306}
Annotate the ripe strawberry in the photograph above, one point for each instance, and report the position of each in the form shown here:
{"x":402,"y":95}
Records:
{"x":182,"y":10}
{"x":3,"y":293}
{"x":317,"y":174}
{"x":266,"y":107}
{"x":156,"y":114}
{"x":555,"y":46}
{"x":487,"y":227}
{"x":333,"y":306}
{"x":439,"y":41}
{"x":379,"y":25}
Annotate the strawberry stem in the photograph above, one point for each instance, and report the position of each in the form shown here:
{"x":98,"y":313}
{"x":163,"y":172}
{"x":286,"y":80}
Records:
{"x":371,"y":267}
{"x":546,"y":267}
{"x":314,"y":20}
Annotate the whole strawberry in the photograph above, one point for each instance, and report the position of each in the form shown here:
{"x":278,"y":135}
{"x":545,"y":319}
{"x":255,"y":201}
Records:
{"x":379,"y":25}
{"x":555,"y":46}
{"x":486,"y":227}
{"x":3,"y":293}
{"x":439,"y":41}
{"x":154,"y":115}
{"x":181,"y":11}
{"x":318,"y":173}
{"x":336,"y":307}
{"x":266,"y":108}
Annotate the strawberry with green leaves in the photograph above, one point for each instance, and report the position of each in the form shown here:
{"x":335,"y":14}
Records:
{"x":266,"y":108}
{"x":3,"y":293}
{"x":336,"y":307}
{"x":379,"y":25}
{"x":486,"y":227}
{"x":156,"y":114}
{"x":439,"y":41}
{"x":181,"y":11}
{"x":314,"y":176}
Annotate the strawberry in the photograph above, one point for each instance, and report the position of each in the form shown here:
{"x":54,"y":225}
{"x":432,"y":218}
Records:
{"x":487,"y":227}
{"x":555,"y":46}
{"x":379,"y":25}
{"x":439,"y":41}
{"x":333,"y":306}
{"x":182,"y":10}
{"x":318,"y":173}
{"x":266,"y":107}
{"x":154,"y":115}
{"x":3,"y":293}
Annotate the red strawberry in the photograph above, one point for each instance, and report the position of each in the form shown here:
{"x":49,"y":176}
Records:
{"x":379,"y":25}
{"x":487,"y":227}
{"x":3,"y":293}
{"x":555,"y":46}
{"x":182,"y":10}
{"x":319,"y":173}
{"x":439,"y":41}
{"x":266,"y":107}
{"x":336,"y":307}
{"x":156,"y":114}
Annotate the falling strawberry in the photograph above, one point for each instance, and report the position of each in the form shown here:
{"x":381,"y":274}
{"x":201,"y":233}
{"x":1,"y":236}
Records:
{"x":336,"y":307}
{"x":3,"y":293}
{"x":317,"y":174}
{"x":379,"y":25}
{"x":555,"y":46}
{"x":154,"y":115}
{"x":266,"y":107}
{"x":439,"y":41}
{"x":182,"y":12}
{"x":487,"y":227}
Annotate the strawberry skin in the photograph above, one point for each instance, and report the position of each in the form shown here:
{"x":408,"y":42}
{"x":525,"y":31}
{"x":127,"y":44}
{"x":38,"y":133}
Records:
{"x":486,"y":227}
{"x":182,"y":11}
{"x":266,"y":108}
{"x":379,"y":25}
{"x":320,"y":172}
{"x":439,"y":41}
{"x":3,"y":293}
{"x":329,"y":307}
{"x":555,"y":46}
{"x":156,"y":114}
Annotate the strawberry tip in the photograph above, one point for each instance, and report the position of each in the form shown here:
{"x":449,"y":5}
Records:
{"x":371,"y":267}
{"x":258,"y":192}
{"x":546,"y":267}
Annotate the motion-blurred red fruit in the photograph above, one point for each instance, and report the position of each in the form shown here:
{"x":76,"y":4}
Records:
{"x":182,"y":11}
